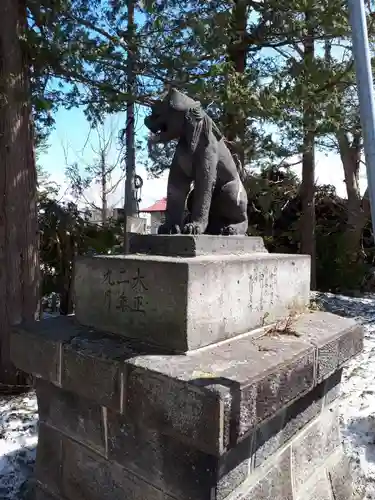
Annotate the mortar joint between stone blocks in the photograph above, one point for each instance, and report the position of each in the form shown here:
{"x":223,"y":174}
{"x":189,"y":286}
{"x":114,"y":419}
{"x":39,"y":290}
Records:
{"x":331,"y":494}
{"x":316,"y":366}
{"x":59,"y":367}
{"x":105,"y":429}
{"x":44,"y":488}
{"x":326,"y":405}
{"x":75,"y":440}
{"x":221,"y":425}
{"x":292,"y":480}
{"x":303,"y":492}
{"x":123,"y":391}
{"x":251,"y":466}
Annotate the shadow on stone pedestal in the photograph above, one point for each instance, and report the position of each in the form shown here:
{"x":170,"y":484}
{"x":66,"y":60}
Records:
{"x":253,"y":417}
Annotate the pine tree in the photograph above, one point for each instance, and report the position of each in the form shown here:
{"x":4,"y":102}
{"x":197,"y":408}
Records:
{"x":19,"y":269}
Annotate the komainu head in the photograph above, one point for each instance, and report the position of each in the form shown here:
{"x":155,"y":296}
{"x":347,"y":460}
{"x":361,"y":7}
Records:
{"x":169,"y":117}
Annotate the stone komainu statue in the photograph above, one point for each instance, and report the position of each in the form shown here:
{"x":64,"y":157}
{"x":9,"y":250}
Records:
{"x":218,"y":202}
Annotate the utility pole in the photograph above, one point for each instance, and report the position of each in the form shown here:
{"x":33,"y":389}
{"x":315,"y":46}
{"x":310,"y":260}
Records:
{"x":365,"y":89}
{"x":130,"y":205}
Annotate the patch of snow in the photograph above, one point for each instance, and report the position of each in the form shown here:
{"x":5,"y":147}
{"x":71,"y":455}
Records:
{"x":19,"y":415}
{"x":357,"y":402}
{"x":18,"y":440}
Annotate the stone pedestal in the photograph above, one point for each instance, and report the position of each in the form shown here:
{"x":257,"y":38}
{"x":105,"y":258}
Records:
{"x":250,"y":416}
{"x":182,"y":303}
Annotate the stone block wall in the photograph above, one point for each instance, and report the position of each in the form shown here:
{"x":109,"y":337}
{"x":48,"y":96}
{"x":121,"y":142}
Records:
{"x":87,"y":451}
{"x":248,"y":412}
{"x":253,"y":418}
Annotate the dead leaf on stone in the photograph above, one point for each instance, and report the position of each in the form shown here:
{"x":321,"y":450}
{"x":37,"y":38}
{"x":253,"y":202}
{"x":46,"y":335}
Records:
{"x":199,"y":374}
{"x":284,"y":327}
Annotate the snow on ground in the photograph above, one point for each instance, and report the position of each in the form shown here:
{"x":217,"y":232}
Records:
{"x":19,"y":416}
{"x":18,"y":439}
{"x":358,"y":392}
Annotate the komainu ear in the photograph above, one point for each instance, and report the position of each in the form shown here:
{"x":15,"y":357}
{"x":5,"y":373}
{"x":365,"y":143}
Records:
{"x":179,"y":101}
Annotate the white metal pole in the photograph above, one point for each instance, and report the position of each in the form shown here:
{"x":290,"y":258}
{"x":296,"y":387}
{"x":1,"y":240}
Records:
{"x":130,"y":208}
{"x":365,"y":89}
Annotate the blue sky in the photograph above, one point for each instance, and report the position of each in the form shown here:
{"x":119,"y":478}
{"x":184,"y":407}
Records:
{"x":72,"y":138}
{"x":72,"y":141}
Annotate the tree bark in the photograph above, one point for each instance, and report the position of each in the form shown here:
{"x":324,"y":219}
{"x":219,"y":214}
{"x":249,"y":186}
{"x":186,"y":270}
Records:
{"x":130,"y":204}
{"x":350,"y":153}
{"x":103,"y":180}
{"x":19,"y":266}
{"x":308,"y":157}
{"x":234,"y":127}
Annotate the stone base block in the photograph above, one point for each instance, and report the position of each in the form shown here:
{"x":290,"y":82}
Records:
{"x":212,"y":397}
{"x":252,"y":418}
{"x":93,"y":453}
{"x":183,"y":304}
{"x":192,"y":246}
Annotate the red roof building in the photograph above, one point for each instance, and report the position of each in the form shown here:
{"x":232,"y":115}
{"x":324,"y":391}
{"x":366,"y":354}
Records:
{"x":157,"y":213}
{"x":158,"y":206}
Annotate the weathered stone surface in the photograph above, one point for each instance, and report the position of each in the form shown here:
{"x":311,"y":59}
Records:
{"x":165,"y":462}
{"x":49,"y":459}
{"x":41,"y":494}
{"x":35,"y":347}
{"x":332,"y":387}
{"x":350,"y":344}
{"x":184,"y":395}
{"x":337,"y":339}
{"x":91,"y":367}
{"x":187,"y":245}
{"x":318,"y":488}
{"x":71,"y":414}
{"x":289,"y":380}
{"x":284,"y":425}
{"x":173,"y":466}
{"x":314,"y":445}
{"x":212,"y":397}
{"x":276,"y":484}
{"x":86,"y":475}
{"x":269,"y":438}
{"x":99,"y":380}
{"x":340,"y":474}
{"x":176,"y":408}
{"x":234,"y":468}
{"x":183,"y":303}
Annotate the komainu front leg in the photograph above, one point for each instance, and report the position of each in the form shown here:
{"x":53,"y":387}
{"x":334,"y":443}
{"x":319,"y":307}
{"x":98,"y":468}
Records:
{"x":204,"y":183}
{"x":177,"y":191}
{"x":235,"y":229}
{"x":194,"y":228}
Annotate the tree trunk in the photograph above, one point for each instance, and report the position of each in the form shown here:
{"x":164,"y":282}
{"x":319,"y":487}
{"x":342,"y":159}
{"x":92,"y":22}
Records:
{"x":19,"y":266}
{"x":350,"y":154}
{"x":130,"y":205}
{"x":234,"y":126}
{"x":308,"y":157}
{"x":103,"y":175}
